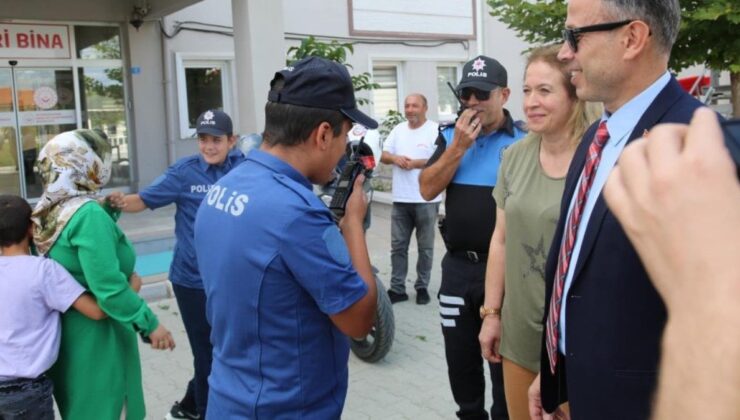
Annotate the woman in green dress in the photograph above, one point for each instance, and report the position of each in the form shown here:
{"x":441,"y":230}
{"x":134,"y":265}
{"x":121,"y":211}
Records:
{"x":97,"y":374}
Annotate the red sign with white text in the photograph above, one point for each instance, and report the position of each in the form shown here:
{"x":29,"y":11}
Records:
{"x":34,"y":41}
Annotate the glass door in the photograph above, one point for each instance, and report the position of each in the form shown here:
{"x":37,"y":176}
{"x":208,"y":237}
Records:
{"x":41,"y":105}
{"x":9,"y":167}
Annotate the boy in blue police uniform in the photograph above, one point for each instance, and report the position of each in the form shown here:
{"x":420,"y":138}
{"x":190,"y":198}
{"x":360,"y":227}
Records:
{"x":186,"y":183}
{"x":465,"y":165}
{"x":285,"y":285}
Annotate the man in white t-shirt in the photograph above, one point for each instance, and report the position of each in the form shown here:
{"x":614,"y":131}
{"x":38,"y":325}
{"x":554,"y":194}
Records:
{"x":407,"y":148}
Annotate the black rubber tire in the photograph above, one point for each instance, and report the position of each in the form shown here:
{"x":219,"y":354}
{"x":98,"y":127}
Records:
{"x":378,"y":342}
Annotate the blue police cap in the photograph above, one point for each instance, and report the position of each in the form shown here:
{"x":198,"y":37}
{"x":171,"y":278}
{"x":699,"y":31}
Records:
{"x":316,"y":82}
{"x":214,"y":122}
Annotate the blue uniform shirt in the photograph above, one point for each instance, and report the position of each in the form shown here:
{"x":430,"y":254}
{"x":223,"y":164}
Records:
{"x":469,"y":203}
{"x":274,"y":267}
{"x":186,"y":183}
{"x":479,"y":164}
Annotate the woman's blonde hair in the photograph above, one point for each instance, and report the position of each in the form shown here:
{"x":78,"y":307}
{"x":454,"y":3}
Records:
{"x":584,"y":113}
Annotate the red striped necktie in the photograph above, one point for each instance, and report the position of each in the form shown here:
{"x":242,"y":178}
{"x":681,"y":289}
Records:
{"x":566,"y":249}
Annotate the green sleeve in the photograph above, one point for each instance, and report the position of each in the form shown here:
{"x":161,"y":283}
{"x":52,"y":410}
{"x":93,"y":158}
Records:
{"x":95,"y":237}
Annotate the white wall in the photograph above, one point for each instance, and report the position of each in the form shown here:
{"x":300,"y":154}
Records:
{"x":147,"y":114}
{"x":209,"y":11}
{"x":501,"y":43}
{"x":330,"y":19}
{"x":316,"y":17}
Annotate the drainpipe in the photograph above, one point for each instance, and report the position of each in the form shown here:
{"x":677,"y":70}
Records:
{"x":169,"y":128}
{"x":479,"y":26}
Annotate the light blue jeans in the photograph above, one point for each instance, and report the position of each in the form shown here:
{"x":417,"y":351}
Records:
{"x":405,"y":217}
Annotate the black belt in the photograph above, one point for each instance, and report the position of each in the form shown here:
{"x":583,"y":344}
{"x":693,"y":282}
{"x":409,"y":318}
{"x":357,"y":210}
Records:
{"x":15,"y":385}
{"x":472,"y":256}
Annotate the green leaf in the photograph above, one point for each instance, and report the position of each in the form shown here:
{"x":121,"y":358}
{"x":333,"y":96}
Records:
{"x":335,"y":51}
{"x":709,"y":32}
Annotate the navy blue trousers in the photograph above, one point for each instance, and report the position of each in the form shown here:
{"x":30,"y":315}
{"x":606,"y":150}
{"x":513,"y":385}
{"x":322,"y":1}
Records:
{"x":192,"y":303}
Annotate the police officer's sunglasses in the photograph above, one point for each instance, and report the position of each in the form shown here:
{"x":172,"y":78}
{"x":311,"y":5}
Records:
{"x":481,"y":95}
{"x":572,"y":35}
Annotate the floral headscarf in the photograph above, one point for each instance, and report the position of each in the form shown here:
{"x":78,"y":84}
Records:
{"x":73,"y":166}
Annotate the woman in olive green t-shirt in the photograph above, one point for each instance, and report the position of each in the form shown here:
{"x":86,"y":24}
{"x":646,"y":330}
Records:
{"x":97,"y":375}
{"x":528,"y":192}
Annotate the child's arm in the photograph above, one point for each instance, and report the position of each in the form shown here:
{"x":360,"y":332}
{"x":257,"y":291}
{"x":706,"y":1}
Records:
{"x":134,"y":280}
{"x":88,"y":306}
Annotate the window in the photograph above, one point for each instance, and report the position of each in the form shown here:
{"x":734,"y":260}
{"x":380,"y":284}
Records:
{"x":102,"y":107}
{"x":97,"y":42}
{"x":202,"y":84}
{"x":386,"y":97}
{"x":447,"y":104}
{"x":205,"y":91}
{"x":62,"y":92}
{"x":101,"y":93}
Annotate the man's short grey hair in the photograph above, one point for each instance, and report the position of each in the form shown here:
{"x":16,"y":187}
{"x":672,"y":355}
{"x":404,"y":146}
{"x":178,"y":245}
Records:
{"x":420,"y":96}
{"x":662,"y":16}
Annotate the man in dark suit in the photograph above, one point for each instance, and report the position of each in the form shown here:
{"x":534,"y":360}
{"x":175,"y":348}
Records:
{"x":603,"y":317}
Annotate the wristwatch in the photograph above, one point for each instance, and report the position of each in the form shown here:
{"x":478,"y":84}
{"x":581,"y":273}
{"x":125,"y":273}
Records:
{"x":484,"y":312}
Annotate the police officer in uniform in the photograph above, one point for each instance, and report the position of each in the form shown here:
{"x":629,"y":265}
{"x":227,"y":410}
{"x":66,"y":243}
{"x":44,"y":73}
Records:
{"x":186,"y":183}
{"x":285,"y":284}
{"x":465,"y":165}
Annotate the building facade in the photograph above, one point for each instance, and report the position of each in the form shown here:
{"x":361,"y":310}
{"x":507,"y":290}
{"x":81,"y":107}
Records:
{"x":142,"y":71}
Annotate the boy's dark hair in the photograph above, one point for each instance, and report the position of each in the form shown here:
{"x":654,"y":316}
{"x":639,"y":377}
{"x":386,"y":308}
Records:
{"x":15,"y":219}
{"x":291,"y":125}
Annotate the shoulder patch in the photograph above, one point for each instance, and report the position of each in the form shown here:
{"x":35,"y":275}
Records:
{"x":335,"y":245}
{"x":160,"y":179}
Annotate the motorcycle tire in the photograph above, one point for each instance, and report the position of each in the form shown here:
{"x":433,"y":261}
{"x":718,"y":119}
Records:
{"x":378,"y":342}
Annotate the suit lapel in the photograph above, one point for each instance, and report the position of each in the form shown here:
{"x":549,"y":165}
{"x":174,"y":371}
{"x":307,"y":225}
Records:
{"x":654,"y":113}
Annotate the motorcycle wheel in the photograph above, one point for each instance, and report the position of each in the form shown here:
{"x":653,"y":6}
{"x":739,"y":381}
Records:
{"x":377,"y":343}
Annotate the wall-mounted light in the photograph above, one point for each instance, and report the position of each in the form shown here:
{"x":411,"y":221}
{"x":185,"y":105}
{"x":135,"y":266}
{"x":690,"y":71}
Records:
{"x":137,"y":16}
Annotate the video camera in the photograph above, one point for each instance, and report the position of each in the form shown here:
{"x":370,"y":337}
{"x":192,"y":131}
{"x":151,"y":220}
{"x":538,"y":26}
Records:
{"x":359,"y":159}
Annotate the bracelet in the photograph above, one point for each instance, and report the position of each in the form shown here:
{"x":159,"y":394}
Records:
{"x":484,"y":312}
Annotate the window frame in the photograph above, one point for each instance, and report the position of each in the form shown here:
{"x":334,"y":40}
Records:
{"x":184,"y":61}
{"x":400,"y":92}
{"x":458,"y":74}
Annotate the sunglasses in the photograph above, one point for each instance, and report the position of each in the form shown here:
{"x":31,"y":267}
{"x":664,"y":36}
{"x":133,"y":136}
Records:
{"x":572,"y":35}
{"x":481,"y":95}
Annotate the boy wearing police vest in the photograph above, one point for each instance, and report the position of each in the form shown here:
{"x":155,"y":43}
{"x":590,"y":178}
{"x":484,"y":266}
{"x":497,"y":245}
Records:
{"x":186,"y":183}
{"x":285,"y":284}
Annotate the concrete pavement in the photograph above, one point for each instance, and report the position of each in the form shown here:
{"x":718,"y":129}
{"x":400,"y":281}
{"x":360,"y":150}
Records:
{"x":410,"y":383}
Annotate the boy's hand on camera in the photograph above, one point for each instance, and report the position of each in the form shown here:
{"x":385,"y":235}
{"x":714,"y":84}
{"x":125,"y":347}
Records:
{"x":356,"y":205}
